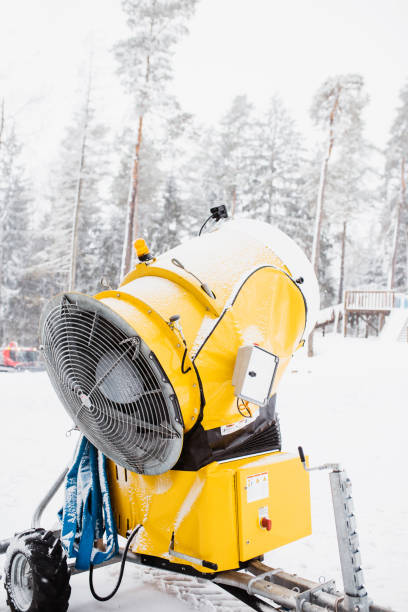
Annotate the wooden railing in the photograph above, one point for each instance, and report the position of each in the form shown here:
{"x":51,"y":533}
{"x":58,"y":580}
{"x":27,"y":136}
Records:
{"x":369,"y":300}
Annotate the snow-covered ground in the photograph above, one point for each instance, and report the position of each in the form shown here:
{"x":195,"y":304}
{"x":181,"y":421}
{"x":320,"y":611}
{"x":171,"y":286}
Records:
{"x":347,"y":404}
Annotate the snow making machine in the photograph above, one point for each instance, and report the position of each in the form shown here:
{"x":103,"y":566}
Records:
{"x":172,"y":380}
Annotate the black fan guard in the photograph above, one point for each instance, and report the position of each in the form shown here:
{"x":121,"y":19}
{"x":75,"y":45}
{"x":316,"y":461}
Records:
{"x":111,"y":384}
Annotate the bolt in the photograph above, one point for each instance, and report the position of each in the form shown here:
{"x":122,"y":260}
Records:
{"x":247,"y":542}
{"x":118,"y":295}
{"x":149,"y":312}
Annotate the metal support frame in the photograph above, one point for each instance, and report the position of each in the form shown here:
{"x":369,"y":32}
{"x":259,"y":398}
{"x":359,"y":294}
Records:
{"x":355,"y":594}
{"x":356,"y":597}
{"x":36,"y":520}
{"x":307,"y":596}
{"x":288,"y":591}
{"x":268,"y":574}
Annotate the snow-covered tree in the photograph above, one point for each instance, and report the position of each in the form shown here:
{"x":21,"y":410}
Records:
{"x":233,"y":169}
{"x":170,"y":224}
{"x":145,"y":67}
{"x":396,"y":188}
{"x":151,"y":183}
{"x":277,"y":157}
{"x":336,"y":110}
{"x":15,"y":241}
{"x":73,"y":249}
{"x":2,"y":121}
{"x":79,"y":186}
{"x":309,"y":188}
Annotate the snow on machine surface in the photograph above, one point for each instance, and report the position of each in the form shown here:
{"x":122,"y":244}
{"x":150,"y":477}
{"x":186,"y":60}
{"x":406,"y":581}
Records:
{"x":172,"y":379}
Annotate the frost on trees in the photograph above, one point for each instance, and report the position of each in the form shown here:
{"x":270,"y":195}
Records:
{"x":396,"y":180}
{"x":336,"y":110}
{"x":277,"y":181}
{"x":145,"y":67}
{"x":17,"y":310}
{"x":235,"y":137}
{"x":73,"y":235}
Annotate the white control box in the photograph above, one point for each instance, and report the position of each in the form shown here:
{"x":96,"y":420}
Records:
{"x":254,"y":373}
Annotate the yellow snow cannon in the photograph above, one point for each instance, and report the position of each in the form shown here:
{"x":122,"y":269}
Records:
{"x":173,"y":376}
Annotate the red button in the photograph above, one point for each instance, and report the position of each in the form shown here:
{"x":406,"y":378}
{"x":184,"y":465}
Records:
{"x":266,"y":523}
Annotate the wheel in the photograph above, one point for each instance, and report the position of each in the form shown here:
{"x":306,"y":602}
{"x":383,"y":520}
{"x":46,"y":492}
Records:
{"x":36,"y":575}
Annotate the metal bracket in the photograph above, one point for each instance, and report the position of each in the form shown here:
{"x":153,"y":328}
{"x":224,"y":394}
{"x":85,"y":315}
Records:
{"x":262,"y":577}
{"x":307,"y":596}
{"x":195,"y":560}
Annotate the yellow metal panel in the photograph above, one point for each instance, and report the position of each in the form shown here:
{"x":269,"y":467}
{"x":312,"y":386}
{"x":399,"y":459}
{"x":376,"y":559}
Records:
{"x":268,"y":310}
{"x":276,"y":486}
{"x":209,"y":510}
{"x":183,"y":279}
{"x":199,"y":507}
{"x":168,"y":298}
{"x":277,"y":326}
{"x":164,"y":343}
{"x":219,"y":264}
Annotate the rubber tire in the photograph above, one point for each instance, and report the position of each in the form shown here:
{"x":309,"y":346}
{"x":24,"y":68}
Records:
{"x":50,"y":575}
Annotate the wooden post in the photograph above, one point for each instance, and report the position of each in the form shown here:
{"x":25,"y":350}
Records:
{"x":345,"y":313}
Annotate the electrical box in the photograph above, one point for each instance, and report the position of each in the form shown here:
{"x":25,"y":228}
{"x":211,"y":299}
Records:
{"x":254,"y":373}
{"x":275,"y":488}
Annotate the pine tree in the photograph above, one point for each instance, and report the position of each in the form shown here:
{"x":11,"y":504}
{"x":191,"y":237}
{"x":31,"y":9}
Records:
{"x":79,"y":186}
{"x":396,"y":180}
{"x":73,"y":237}
{"x":151,"y":181}
{"x":144,"y":60}
{"x":16,"y":301}
{"x":233,"y":170}
{"x":309,"y":188}
{"x":276,"y":168}
{"x":353,"y":196}
{"x":171,"y":224}
{"x":336,"y":109}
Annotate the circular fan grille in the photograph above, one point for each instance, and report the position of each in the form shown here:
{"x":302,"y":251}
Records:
{"x":111,"y":384}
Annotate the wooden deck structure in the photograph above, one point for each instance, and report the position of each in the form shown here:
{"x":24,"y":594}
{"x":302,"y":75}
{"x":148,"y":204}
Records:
{"x":365,"y":313}
{"x":369,"y":307}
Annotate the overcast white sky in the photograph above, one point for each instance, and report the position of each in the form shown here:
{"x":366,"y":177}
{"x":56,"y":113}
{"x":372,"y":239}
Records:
{"x":257,"y":47}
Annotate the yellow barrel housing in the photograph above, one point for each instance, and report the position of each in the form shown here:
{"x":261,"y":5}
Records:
{"x":257,"y":300}
{"x":156,"y":357}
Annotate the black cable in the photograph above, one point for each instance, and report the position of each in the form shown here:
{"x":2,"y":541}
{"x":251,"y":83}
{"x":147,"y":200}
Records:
{"x":204,"y":224}
{"x":226,"y":309}
{"x":241,"y":409}
{"x":122,"y":569}
{"x":183,"y":371}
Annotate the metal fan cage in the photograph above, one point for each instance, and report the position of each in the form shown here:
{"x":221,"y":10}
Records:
{"x":111,"y":384}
